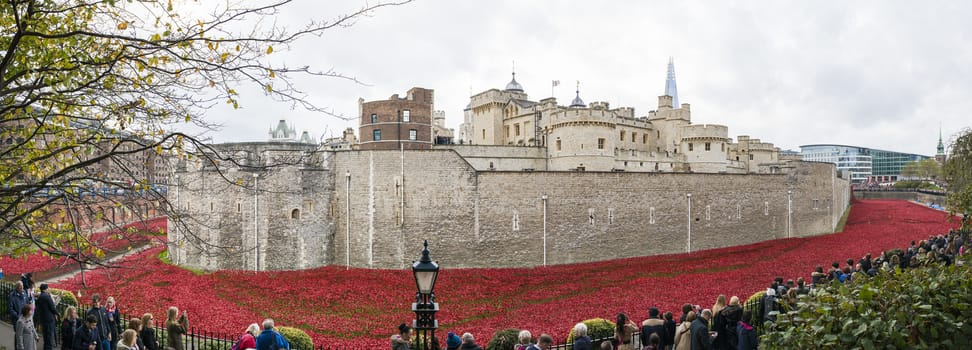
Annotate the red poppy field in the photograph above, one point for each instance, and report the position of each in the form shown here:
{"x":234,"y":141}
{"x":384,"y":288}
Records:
{"x":361,"y":307}
{"x":112,"y":241}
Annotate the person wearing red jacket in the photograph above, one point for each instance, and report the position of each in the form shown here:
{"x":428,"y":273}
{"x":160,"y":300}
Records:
{"x":248,"y":340}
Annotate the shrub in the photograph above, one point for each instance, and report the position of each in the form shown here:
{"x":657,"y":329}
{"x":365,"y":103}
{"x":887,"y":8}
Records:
{"x":504,"y":340}
{"x":915,"y":308}
{"x":758,"y":296}
{"x":597,"y":328}
{"x":299,"y":340}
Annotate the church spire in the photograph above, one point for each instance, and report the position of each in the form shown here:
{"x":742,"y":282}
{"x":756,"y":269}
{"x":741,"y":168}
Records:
{"x":670,"y":88}
{"x":941,"y":146}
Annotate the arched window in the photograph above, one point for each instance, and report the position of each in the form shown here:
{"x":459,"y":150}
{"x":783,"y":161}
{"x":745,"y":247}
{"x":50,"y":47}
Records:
{"x":295,"y":214}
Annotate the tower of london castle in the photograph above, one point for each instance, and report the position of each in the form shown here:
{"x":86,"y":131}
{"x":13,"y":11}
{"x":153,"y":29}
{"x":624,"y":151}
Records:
{"x":529,"y":183}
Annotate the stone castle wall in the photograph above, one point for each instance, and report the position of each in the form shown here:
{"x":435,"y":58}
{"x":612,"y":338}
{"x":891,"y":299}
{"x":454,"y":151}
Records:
{"x":494,"y":218}
{"x":291,"y":206}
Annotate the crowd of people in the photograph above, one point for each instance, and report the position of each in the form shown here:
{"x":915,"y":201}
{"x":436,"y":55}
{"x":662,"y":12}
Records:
{"x":102,"y":327}
{"x":728,"y":325}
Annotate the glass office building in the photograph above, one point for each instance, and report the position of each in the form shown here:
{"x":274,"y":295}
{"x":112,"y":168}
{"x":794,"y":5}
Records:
{"x":864,"y":165}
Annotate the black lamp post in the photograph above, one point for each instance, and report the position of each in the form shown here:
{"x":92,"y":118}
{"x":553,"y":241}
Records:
{"x":425,"y":307}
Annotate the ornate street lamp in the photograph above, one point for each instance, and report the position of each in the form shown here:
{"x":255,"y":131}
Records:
{"x":425,"y":307}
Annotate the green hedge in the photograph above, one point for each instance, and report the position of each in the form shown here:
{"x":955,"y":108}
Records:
{"x":298,"y":338}
{"x":922,"y":308}
{"x":597,"y":328}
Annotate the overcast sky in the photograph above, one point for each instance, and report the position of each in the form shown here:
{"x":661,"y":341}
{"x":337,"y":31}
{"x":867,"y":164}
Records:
{"x":879,"y":74}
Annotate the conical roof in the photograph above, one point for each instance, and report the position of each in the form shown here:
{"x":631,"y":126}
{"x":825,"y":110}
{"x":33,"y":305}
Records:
{"x":577,"y":102}
{"x":513,"y":85}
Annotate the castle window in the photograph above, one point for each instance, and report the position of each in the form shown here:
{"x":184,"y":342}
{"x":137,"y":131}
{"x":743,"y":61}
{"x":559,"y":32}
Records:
{"x":708,"y":146}
{"x":558,"y":144}
{"x":406,"y":116}
{"x":750,"y":156}
{"x":634,"y":137}
{"x":658,"y":134}
{"x":765,"y":208}
{"x":516,"y":129}
{"x":239,"y":207}
{"x":644,"y":138}
{"x":212,"y":208}
{"x":413,"y":134}
{"x":374,"y":118}
{"x":691,"y":147}
{"x":600,"y":143}
{"x":722,"y":147}
{"x":484,"y":134}
{"x":376,"y":135}
{"x":610,"y":215}
{"x":651,"y":215}
{"x":516,"y":221}
{"x":507,"y":128}
{"x":707,"y":212}
{"x":622,"y":135}
{"x":590,"y":215}
{"x":295,"y":214}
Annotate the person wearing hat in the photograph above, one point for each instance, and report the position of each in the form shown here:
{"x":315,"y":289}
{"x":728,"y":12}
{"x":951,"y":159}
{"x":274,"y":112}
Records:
{"x":402,"y":340}
{"x":453,"y":342}
{"x":47,"y":315}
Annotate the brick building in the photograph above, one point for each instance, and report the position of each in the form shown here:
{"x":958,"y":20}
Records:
{"x":397,"y":122}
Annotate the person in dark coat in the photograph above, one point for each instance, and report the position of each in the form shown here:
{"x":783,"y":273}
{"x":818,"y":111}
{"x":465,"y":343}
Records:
{"x":47,"y":315}
{"x":69,"y":324}
{"x":101,"y":318}
{"x":88,"y":337}
{"x":28,"y":280}
{"x":725,"y":325}
{"x":16,"y":301}
{"x":701,"y":340}
{"x":747,"y":334}
{"x":770,"y":304}
{"x":147,"y":334}
{"x":114,"y":321}
{"x":670,"y":327}
{"x":653,"y":325}
{"x":581,"y":340}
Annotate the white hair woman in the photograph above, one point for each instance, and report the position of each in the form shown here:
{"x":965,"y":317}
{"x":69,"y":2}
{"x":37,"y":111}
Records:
{"x":581,"y":340}
{"x":248,"y":340}
{"x":525,"y":340}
